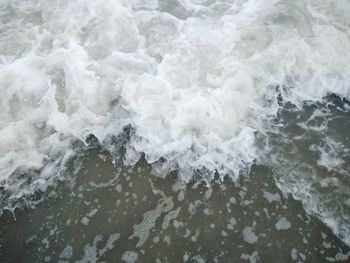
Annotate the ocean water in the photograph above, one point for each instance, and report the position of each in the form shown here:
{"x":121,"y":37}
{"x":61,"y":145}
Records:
{"x":111,"y":213}
{"x":246,"y":99}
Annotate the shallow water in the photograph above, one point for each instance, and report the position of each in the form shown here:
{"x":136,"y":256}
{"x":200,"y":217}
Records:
{"x":109,"y":214}
{"x":237,"y":95}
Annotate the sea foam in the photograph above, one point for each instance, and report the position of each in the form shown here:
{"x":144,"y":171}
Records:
{"x":197,"y":81}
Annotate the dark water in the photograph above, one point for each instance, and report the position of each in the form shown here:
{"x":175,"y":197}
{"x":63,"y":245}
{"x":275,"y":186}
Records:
{"x":110,"y":214}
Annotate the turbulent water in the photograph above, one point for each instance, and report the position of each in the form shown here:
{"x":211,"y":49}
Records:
{"x":202,"y":87}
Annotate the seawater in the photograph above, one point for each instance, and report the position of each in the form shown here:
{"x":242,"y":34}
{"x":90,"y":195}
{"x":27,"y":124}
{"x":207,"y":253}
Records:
{"x":112,"y":213}
{"x":202,"y":89}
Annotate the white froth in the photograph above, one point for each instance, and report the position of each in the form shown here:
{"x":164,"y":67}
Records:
{"x":282,"y":224}
{"x":67,"y":252}
{"x":196,"y":84}
{"x":249,"y":235}
{"x":142,"y":230}
{"x":129,"y":256}
{"x":272,"y":197}
{"x":253,"y":258}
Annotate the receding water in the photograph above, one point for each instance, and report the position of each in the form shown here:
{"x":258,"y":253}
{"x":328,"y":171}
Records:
{"x":174,"y":130}
{"x":108,"y":214}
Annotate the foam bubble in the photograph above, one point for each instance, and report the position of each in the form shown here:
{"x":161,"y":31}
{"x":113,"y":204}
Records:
{"x":249,"y":235}
{"x":282,"y":224}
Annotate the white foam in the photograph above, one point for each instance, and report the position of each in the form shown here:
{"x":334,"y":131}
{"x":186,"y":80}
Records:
{"x":67,"y":252}
{"x":91,"y":251}
{"x":251,"y":258}
{"x":282,"y":224}
{"x":197,"y":105}
{"x":249,"y":235}
{"x":129,"y":256}
{"x":195,"y":90}
{"x":271,"y":197}
{"x":143,"y":229}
